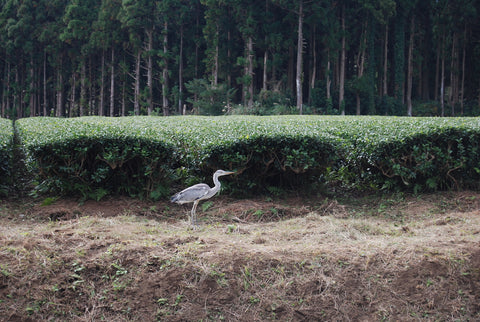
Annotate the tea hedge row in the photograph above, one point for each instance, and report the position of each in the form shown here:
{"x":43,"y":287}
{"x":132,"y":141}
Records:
{"x":415,"y":153}
{"x":265,"y":151}
{"x":90,"y":154}
{"x":145,"y":155}
{"x":95,"y":156}
{"x":378,"y":152}
{"x":6,"y":144}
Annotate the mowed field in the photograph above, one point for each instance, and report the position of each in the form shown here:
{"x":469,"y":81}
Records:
{"x":393,"y":257}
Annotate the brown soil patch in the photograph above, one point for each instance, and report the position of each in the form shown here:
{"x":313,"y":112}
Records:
{"x":368,"y":258}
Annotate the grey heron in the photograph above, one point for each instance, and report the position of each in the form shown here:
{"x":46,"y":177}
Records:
{"x":198,"y":192}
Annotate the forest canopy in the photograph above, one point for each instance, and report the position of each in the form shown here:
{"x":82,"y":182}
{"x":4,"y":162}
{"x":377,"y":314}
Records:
{"x":132,"y":57}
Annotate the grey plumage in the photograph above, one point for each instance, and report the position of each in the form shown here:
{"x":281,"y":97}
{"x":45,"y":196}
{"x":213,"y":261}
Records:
{"x":198,"y":192}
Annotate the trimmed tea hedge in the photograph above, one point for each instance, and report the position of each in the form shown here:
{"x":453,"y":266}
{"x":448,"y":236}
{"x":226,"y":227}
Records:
{"x":91,"y":153}
{"x":144,"y":155}
{"x":6,"y":148}
{"x":96,"y":156}
{"x":414,"y":153}
{"x":265,"y":151}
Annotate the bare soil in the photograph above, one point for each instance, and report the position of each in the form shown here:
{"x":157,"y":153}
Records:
{"x":367,"y":258}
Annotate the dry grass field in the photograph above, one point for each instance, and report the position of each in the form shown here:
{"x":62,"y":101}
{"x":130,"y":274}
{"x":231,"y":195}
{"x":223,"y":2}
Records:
{"x":356,"y":258}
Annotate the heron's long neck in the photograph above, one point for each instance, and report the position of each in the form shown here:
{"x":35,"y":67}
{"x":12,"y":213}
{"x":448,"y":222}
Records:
{"x":216,"y":182}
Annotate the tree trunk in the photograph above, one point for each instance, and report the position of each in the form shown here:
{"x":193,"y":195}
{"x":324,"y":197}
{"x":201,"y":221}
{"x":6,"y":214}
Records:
{"x":197,"y":36}
{"x":247,"y":86}
{"x":453,"y":88}
{"x":361,"y":63}
{"x":59,"y":91}
{"x":91,"y":91}
{"x":32,"y":103}
{"x":335,"y":68}
{"x":462,"y":85}
{"x":215,"y":59}
{"x":112,"y":84}
{"x":420,"y":71}
{"x":165,"y":71}
{"x":265,"y":60}
{"x":442,"y":78}
{"x":479,"y":95}
{"x":250,"y":55}
{"x":180,"y":73}
{"x":229,"y":59}
{"x":244,"y":86}
{"x":45,"y":101}
{"x":370,"y":68}
{"x":342,"y":67}
{"x":298,"y":78}
{"x":313,"y":69}
{"x":149,"y":71}
{"x":136,"y":86}
{"x":385,"y":63}
{"x":327,"y":76}
{"x":73,"y":98}
{"x":5,"y":89}
{"x":83,"y":88}
{"x":2,"y":110}
{"x":410,"y":66}
{"x":265,"y":56}
{"x":7,"y":103}
{"x":16,"y":99}
{"x":437,"y":72}
{"x":101,"y":106}
{"x":124,"y":94}
{"x":399,"y":60}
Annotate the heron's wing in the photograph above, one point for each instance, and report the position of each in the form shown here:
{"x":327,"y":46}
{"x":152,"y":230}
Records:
{"x":191,"y":194}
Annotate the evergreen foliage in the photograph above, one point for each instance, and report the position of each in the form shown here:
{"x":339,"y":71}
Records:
{"x":120,"y":57}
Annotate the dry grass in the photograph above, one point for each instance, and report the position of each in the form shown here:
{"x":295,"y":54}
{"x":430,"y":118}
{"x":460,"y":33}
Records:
{"x":373,"y":258}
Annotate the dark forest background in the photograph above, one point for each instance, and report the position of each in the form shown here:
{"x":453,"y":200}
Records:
{"x":131,"y":57}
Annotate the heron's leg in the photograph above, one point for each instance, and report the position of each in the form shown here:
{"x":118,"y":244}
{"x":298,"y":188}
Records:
{"x":194,"y":214}
{"x":191,"y":214}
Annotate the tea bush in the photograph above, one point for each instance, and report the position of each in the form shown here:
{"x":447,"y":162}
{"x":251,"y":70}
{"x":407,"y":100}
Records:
{"x":6,"y":149}
{"x":95,"y":156}
{"x":416,"y":154}
{"x":145,"y":155}
{"x":277,"y":150}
